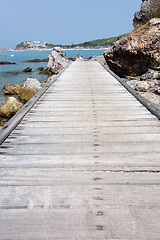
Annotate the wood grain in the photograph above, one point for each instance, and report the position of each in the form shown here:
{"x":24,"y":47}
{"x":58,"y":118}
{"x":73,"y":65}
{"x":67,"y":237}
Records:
{"x":83,"y":164}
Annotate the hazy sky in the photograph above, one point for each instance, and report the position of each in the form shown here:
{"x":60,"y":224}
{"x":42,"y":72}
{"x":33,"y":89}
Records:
{"x":64,"y":21}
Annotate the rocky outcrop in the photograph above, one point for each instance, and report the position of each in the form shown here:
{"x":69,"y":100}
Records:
{"x":29,"y":89}
{"x":10,"y":107}
{"x":39,"y":69}
{"x":49,"y":71}
{"x":72,"y":59}
{"x":37,"y":60}
{"x":28,"y":69}
{"x":147,"y":82}
{"x":5,"y":63}
{"x":138,"y":52}
{"x":79,"y":58}
{"x":140,"y":17}
{"x":57,"y":60}
{"x":150,"y":74}
{"x":12,"y":89}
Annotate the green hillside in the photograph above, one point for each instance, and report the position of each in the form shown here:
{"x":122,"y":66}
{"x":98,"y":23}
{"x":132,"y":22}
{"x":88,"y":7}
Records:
{"x":100,"y":42}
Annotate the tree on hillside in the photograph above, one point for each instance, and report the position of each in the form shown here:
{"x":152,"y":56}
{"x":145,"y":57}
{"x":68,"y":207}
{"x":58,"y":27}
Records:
{"x":154,"y":9}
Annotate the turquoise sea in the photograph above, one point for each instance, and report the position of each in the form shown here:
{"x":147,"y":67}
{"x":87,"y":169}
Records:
{"x":7,"y":75}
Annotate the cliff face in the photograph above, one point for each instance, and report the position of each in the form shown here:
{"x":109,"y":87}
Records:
{"x":140,"y":16}
{"x":136,"y":53}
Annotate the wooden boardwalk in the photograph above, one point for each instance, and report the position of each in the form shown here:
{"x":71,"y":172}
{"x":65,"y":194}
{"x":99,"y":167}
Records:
{"x":83,"y":164}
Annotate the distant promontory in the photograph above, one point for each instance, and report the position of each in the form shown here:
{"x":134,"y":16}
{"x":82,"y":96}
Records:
{"x":26,"y":45}
{"x":99,"y":43}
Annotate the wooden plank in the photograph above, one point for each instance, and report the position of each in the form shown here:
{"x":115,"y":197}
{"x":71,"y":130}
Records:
{"x":121,"y":161}
{"x":83,"y":138}
{"x":77,"y":148}
{"x":83,"y":224}
{"x":52,"y":176}
{"x":83,"y":164}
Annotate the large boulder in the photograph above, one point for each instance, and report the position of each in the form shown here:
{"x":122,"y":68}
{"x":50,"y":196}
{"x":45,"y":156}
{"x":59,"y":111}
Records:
{"x":29,"y":89}
{"x":57,"y":60}
{"x":10,"y":107}
{"x":12,"y":89}
{"x":138,"y":52}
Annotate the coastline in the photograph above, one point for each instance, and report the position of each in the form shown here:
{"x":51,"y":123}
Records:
{"x":50,"y":49}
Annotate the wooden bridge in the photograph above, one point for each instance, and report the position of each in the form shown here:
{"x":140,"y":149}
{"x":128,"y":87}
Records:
{"x":84,"y":163}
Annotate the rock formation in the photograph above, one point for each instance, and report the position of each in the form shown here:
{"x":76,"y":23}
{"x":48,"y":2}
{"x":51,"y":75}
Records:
{"x":37,"y":60}
{"x":28,"y":69}
{"x":10,"y":107}
{"x":140,"y":17}
{"x":57,"y":60}
{"x":79,"y":58}
{"x":138,"y":52}
{"x":49,"y":71}
{"x":39,"y":69}
{"x":11,"y":89}
{"x":142,"y":86}
{"x":29,"y":89}
{"x":5,"y":63}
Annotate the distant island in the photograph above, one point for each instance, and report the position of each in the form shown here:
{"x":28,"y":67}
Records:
{"x":99,"y":43}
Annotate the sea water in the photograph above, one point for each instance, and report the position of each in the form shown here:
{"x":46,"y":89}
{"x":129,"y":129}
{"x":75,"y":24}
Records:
{"x":7,"y":72}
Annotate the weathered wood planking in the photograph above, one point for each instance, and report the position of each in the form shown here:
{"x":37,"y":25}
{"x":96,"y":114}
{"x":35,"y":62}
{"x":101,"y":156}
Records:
{"x":83,"y":164}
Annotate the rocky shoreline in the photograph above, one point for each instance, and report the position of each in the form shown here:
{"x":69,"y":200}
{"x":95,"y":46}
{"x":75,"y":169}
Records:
{"x":136,"y":59}
{"x":147,"y":85}
{"x":18,"y":95}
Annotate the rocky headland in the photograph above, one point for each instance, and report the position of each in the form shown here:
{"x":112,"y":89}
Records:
{"x":136,"y":58}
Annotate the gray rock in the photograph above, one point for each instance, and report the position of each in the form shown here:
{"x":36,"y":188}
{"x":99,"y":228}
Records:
{"x":150,"y":74}
{"x":57,"y":59}
{"x":132,"y":83}
{"x":142,"y":86}
{"x":79,"y":58}
{"x":140,"y":17}
{"x":157,"y":90}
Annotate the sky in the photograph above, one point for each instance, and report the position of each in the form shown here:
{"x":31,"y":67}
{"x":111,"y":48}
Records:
{"x":64,"y":21}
